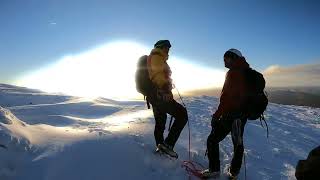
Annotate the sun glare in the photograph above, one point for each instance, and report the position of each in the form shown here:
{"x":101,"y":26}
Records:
{"x":108,"y":71}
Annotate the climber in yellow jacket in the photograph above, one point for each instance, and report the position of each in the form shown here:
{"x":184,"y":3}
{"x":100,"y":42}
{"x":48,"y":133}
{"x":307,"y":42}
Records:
{"x":159,"y":70}
{"x":162,"y":100}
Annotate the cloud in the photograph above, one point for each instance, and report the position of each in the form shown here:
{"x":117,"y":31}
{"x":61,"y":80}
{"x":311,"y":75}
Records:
{"x":299,"y":75}
{"x":272,"y":69}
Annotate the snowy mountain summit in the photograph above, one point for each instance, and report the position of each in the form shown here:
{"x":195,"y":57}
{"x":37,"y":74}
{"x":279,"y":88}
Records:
{"x":53,"y":136}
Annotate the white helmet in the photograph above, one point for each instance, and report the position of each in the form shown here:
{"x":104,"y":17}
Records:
{"x":235,"y":51}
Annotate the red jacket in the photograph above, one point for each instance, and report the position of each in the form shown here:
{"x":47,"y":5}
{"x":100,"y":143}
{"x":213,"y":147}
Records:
{"x":234,"y":92}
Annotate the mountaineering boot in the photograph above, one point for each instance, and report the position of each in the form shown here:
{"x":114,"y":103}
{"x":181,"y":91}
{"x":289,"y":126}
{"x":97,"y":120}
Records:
{"x":167,"y":149}
{"x":157,"y":150}
{"x":210,"y":174}
{"x":231,"y":175}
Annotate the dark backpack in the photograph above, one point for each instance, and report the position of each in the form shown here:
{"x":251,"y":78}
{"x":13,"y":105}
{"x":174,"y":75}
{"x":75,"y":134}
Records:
{"x":143,"y":82}
{"x":257,"y":100}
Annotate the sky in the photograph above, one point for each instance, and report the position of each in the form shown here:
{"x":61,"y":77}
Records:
{"x":36,"y":34}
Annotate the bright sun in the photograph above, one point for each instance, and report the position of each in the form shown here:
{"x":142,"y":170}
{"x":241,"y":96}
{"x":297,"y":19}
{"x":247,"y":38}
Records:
{"x":108,"y":71}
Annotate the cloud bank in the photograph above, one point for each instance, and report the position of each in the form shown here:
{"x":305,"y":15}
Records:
{"x":299,"y":75}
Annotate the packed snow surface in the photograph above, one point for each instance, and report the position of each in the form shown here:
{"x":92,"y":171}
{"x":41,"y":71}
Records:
{"x":53,"y":136}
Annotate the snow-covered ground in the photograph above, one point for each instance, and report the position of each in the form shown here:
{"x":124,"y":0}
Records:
{"x":53,"y":136}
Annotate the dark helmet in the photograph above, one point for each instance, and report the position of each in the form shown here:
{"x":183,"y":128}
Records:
{"x":162,"y":43}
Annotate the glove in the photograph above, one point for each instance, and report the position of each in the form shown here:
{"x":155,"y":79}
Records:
{"x":165,"y":95}
{"x":168,"y":87}
{"x":214,"y":122}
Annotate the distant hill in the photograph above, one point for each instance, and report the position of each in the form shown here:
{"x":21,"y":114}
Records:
{"x":295,"y":96}
{"x":300,"y":96}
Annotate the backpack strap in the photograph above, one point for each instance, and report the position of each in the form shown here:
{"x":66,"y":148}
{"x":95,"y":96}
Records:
{"x":266,"y":126}
{"x":149,"y":64}
{"x":170,"y":124}
{"x":265,"y":122}
{"x":147,"y":101}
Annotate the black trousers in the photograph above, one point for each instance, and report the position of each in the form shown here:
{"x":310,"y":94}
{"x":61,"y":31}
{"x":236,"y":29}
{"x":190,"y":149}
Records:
{"x":218,"y":133}
{"x":160,"y":110}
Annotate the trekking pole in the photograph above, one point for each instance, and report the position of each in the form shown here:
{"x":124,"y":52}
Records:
{"x":186,"y":164}
{"x":180,"y":97}
{"x":191,"y":167}
{"x":245,"y":165}
{"x":187,"y":122}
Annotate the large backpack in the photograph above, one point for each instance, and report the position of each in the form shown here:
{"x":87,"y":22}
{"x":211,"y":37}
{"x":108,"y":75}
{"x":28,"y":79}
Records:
{"x":143,"y":82}
{"x":257,"y":100}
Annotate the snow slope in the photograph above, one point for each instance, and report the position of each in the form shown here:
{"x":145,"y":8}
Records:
{"x":53,"y":136}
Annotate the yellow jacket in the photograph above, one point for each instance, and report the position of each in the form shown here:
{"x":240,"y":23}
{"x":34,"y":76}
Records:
{"x":159,"y":70}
